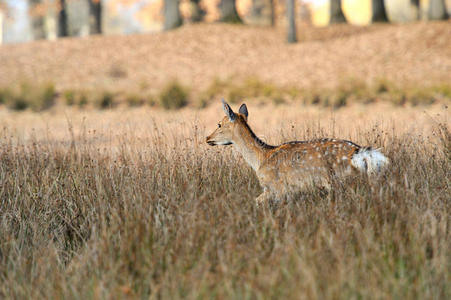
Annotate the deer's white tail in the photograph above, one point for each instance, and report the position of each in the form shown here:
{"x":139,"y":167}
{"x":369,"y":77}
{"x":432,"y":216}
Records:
{"x":369,"y":160}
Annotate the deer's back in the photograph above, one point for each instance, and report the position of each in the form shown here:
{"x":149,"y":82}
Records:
{"x":294,"y":161}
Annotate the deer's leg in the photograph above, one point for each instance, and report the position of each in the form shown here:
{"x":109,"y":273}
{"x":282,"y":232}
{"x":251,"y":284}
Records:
{"x":325,"y":184}
{"x":264,"y":197}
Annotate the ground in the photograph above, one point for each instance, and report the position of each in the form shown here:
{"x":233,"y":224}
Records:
{"x":198,"y":54}
{"x":132,"y":203}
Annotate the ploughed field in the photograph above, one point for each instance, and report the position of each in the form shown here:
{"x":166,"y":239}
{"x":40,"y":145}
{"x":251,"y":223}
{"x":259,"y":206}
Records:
{"x":133,"y":203}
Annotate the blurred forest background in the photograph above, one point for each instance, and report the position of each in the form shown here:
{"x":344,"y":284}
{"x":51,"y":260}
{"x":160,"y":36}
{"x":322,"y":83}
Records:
{"x":109,"y":191}
{"x":26,"y":20}
{"x":338,"y":52}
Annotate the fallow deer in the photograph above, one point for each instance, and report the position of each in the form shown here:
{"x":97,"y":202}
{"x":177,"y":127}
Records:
{"x":296,"y":165}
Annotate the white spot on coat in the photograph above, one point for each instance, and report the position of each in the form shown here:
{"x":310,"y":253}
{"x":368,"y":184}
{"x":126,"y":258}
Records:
{"x":369,"y":160}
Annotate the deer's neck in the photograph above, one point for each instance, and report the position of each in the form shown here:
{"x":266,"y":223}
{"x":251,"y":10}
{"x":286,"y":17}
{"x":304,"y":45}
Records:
{"x":250,"y":146}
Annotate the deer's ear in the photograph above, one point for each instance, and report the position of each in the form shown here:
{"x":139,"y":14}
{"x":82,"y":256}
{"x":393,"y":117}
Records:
{"x":228,"y":111}
{"x":243,"y":110}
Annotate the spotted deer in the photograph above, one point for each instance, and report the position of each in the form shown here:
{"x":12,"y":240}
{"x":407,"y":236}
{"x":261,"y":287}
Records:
{"x":293,"y":166}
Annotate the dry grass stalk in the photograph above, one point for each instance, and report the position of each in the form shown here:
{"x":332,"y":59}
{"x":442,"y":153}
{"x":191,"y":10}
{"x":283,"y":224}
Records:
{"x":155,"y":213}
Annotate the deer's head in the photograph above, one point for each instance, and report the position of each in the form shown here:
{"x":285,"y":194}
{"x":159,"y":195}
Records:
{"x":224,"y":134}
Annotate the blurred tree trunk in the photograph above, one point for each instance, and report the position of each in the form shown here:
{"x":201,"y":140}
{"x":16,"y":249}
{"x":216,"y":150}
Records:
{"x":378,"y":10}
{"x":172,"y":17}
{"x":273,"y":12}
{"x":402,"y":11}
{"x":37,"y":20}
{"x":229,"y":13}
{"x":437,"y":10}
{"x":196,"y":12}
{"x":62,"y":19}
{"x":51,"y":19}
{"x":262,"y":12}
{"x":257,"y":8}
{"x":79,"y":18}
{"x":1,"y":25}
{"x":336,"y":14}
{"x":291,"y":16}
{"x":44,"y":19}
{"x":95,"y":16}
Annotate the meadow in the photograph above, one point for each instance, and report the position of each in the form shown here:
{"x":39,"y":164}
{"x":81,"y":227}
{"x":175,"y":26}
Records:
{"x":109,"y":191}
{"x":132,"y":203}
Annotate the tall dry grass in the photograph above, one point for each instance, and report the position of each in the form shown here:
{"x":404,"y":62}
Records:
{"x":101,"y":212}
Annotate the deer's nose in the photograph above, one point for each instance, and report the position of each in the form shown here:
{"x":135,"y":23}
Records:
{"x":209,"y":142}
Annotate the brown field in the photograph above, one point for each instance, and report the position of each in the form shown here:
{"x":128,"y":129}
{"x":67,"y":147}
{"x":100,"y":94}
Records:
{"x":273,"y":123}
{"x":132,"y":203}
{"x":196,"y":55}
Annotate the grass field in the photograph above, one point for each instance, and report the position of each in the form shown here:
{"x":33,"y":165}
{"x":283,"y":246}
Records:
{"x":132,"y":203}
{"x":109,"y":191}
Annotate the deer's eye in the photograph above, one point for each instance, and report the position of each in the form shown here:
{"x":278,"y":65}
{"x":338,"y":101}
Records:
{"x":219,"y":125}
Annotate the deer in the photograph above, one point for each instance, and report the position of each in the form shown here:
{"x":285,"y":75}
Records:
{"x":293,"y":166}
